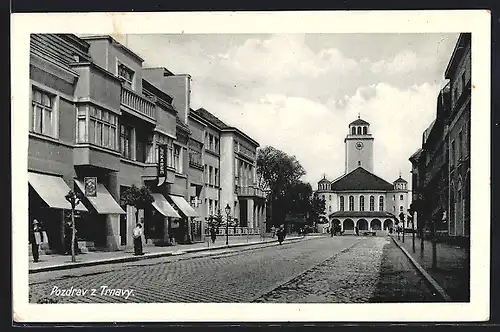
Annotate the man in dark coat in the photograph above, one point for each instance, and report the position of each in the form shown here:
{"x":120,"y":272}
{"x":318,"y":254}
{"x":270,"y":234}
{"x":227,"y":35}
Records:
{"x":35,"y":240}
{"x":213,"y":234}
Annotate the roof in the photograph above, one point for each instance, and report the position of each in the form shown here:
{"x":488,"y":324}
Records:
{"x":400,"y":179}
{"x":210,"y":118}
{"x":323,"y":180}
{"x":464,"y":40}
{"x":115,"y":42}
{"x":361,"y":179}
{"x":358,"y":122}
{"x":361,"y":214}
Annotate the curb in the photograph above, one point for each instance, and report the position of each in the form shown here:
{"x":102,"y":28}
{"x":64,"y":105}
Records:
{"x":424,"y":273}
{"x":127,"y":259}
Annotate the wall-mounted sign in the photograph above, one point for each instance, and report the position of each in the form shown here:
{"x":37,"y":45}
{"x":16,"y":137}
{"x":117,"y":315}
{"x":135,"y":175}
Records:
{"x":90,"y":186}
{"x":162,"y":159}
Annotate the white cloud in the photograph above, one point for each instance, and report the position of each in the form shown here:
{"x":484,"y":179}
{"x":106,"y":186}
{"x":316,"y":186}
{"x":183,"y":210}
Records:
{"x":403,"y":63}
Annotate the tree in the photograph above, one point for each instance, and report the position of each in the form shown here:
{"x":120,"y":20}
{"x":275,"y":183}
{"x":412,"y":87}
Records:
{"x":278,"y":174}
{"x":74,"y":199}
{"x":215,"y":220}
{"x":140,"y":198}
{"x":318,"y":207}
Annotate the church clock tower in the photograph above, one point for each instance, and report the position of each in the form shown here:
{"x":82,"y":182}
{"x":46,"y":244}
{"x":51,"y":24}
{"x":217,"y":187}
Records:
{"x":359,"y":146}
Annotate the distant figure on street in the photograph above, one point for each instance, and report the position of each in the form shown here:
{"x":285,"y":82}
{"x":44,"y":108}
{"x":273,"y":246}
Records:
{"x":137,"y":234}
{"x":35,"y":239}
{"x":332,"y":231}
{"x":213,"y":234}
{"x":390,"y":230}
{"x":357,"y":230}
{"x":273,"y":231}
{"x":281,"y":234}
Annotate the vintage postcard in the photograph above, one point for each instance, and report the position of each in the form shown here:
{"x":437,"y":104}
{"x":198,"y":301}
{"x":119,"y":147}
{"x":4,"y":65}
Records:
{"x":251,"y":166}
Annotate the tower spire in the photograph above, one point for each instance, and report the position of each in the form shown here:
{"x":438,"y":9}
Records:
{"x":359,"y":115}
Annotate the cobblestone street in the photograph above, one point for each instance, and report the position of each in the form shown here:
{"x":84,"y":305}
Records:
{"x":339,"y":269}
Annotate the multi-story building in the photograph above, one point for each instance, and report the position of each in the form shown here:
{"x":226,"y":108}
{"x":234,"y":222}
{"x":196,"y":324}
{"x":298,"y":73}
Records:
{"x":458,"y":72}
{"x":359,"y":197}
{"x":430,"y":167}
{"x":236,"y":154}
{"x":441,"y":168}
{"x":94,"y":115}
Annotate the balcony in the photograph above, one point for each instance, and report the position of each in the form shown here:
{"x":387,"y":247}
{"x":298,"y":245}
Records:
{"x":250,"y":192}
{"x":138,"y":105}
{"x":243,"y":150}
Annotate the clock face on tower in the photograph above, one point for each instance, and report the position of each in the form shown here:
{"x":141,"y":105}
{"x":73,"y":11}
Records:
{"x":359,"y":145}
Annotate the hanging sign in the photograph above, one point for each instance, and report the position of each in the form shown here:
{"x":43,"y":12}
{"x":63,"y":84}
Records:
{"x":162,"y":171}
{"x":90,"y":186}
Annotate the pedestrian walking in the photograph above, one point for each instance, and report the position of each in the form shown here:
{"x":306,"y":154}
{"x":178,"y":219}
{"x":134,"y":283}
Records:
{"x":273,"y":231}
{"x":213,"y":234}
{"x":137,"y":234}
{"x":332,"y":231}
{"x":357,"y":230}
{"x":36,"y":237}
{"x":281,"y":234}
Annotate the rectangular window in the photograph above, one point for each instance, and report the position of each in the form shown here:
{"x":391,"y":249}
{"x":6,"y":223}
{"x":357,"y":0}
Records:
{"x":126,"y":141}
{"x":126,"y":74}
{"x":216,"y":144}
{"x":372,"y":203}
{"x":102,"y":127}
{"x":216,"y":177}
{"x":216,"y":207}
{"x":42,"y":117}
{"x":177,"y":159}
{"x":210,"y":170}
{"x":206,"y":174}
{"x":361,"y":203}
{"x":401,"y":197}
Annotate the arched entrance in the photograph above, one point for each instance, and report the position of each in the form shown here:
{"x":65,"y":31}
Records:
{"x":388,"y":224}
{"x":376,"y":225}
{"x":348,"y":224}
{"x":362,"y":224}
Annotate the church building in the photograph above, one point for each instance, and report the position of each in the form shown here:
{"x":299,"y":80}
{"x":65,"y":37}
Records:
{"x":359,"y":197}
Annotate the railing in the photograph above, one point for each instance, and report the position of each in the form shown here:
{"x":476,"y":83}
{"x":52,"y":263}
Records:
{"x":251,"y":191}
{"x":138,"y":103}
{"x":235,"y":231}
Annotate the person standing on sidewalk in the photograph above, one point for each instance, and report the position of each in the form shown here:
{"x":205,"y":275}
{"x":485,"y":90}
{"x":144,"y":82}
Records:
{"x":357,"y":230}
{"x":213,"y":233}
{"x":137,"y":233}
{"x":35,"y":239}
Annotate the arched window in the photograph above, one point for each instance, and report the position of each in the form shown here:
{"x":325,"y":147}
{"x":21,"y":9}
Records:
{"x":329,"y":209}
{"x":381,"y":203}
{"x":341,"y":203}
{"x":323,"y":197}
{"x":359,"y":130}
{"x":351,"y":203}
{"x":372,"y":203}
{"x":330,"y":197}
{"x":361,"y":203}
{"x":353,"y":130}
{"x":365,"y":130}
{"x":401,"y":208}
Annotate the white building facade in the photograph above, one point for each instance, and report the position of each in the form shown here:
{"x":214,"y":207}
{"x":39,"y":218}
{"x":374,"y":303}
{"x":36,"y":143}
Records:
{"x":359,"y":198}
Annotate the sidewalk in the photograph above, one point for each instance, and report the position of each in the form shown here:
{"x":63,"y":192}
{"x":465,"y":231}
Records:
{"x":60,"y":262}
{"x":453,"y":267}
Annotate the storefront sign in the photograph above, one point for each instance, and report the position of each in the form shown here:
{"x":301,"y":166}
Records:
{"x":162,"y":166}
{"x":90,"y":186}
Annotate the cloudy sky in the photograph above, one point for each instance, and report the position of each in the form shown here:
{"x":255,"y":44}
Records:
{"x":299,"y":92}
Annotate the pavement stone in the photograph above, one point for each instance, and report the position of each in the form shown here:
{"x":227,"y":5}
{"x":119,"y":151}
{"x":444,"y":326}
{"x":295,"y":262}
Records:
{"x":453,"y":266}
{"x":223,"y":278}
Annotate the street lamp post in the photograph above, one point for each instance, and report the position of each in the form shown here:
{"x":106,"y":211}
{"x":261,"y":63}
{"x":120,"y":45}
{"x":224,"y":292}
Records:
{"x":411,"y":215}
{"x":228,"y":212}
